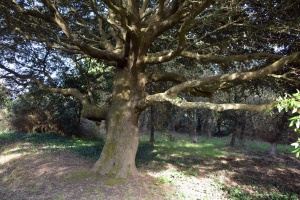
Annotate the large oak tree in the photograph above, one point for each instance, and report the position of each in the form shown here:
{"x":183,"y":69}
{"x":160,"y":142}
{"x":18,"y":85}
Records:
{"x":39,"y":37}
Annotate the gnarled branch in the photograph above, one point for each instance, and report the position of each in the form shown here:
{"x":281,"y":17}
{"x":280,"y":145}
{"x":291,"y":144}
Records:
{"x":170,"y":95}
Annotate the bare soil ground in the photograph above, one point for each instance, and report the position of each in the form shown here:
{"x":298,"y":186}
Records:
{"x":63,"y":175}
{"x":27,"y":173}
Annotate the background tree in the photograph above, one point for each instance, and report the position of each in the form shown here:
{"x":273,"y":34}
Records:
{"x":4,"y":101}
{"x":45,"y":112}
{"x":41,"y":38}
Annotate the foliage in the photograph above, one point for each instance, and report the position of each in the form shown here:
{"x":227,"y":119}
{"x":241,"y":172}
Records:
{"x":44,"y":112}
{"x":292,"y":102}
{"x":4,"y":96}
{"x":90,"y":77}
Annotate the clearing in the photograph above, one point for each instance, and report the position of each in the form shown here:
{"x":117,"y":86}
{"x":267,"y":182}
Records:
{"x":49,"y":166}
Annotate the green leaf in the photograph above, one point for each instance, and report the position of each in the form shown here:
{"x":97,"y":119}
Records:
{"x":298,"y":123}
{"x":294,"y":110}
{"x":296,"y":150}
{"x":295,"y":144}
{"x":292,"y":123}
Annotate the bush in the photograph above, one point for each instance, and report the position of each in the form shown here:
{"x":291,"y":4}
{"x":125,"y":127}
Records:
{"x":45,"y":112}
{"x":292,"y":102}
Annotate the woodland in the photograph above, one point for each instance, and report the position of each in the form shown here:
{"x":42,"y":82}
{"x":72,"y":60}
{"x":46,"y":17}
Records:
{"x":126,"y":70}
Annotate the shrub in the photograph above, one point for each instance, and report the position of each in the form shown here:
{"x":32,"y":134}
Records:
{"x":45,"y":112}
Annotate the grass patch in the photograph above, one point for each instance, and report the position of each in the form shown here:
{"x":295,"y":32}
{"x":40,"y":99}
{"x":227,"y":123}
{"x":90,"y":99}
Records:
{"x":183,"y":148}
{"x":11,"y":138}
{"x":79,"y":176}
{"x":264,"y":147}
{"x":114,"y":181}
{"x":161,"y":150}
{"x":182,"y":153}
{"x":44,"y":142}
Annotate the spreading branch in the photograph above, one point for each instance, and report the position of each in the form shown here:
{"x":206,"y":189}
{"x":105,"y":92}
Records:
{"x":89,"y":110}
{"x":171,"y":95}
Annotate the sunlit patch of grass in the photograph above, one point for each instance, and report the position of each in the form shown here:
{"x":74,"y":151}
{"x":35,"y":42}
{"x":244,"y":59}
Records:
{"x":7,"y":158}
{"x":264,"y":147}
{"x":47,"y":142}
{"x":180,"y":153}
{"x":184,"y":148}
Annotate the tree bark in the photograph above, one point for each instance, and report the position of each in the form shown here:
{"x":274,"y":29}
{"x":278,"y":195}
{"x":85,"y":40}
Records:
{"x":119,"y":152}
{"x":243,"y":127}
{"x":152,"y":139}
{"x":273,"y":148}
{"x":234,"y":133}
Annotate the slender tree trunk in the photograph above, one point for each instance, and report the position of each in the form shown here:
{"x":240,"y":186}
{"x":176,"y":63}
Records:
{"x":243,"y":127}
{"x":234,"y":134}
{"x":279,"y":129}
{"x":273,"y":148}
{"x":152,"y":139}
{"x":194,"y":126}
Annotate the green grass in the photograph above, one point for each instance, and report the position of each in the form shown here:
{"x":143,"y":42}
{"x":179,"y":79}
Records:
{"x":162,"y":149}
{"x":53,"y":142}
{"x":181,"y":153}
{"x":264,"y":147}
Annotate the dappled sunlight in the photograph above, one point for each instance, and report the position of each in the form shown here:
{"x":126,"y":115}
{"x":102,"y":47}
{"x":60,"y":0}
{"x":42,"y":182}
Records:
{"x":13,"y":153}
{"x":4,"y":159}
{"x":204,"y":170}
{"x":231,"y":170}
{"x":250,"y":173}
{"x":188,"y":187}
{"x":18,"y":148}
{"x":63,"y":173}
{"x":40,"y":173}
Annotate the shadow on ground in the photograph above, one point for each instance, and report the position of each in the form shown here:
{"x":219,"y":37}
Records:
{"x":256,"y":176}
{"x":50,"y":166}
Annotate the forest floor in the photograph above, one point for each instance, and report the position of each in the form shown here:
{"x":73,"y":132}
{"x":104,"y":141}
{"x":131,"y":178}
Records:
{"x":47,"y":166}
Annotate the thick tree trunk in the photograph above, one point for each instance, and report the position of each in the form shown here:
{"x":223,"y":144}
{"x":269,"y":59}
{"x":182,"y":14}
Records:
{"x":119,"y":152}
